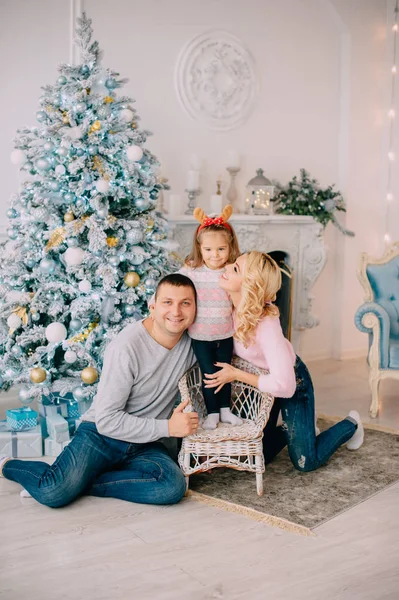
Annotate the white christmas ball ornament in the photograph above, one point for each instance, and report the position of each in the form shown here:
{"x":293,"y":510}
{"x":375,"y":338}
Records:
{"x":85,"y":286}
{"x":126,"y":115}
{"x":18,"y":157}
{"x":134,"y":153}
{"x":102,"y":186}
{"x":74,"y":256}
{"x":70,"y":356}
{"x":14,"y":321}
{"x":60,"y":170}
{"x":75,"y":132}
{"x":56,"y":332}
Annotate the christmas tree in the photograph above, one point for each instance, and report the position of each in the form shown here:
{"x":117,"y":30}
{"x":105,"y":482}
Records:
{"x":86,"y":246}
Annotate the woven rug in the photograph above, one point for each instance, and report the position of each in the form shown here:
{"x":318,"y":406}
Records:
{"x":301,"y":501}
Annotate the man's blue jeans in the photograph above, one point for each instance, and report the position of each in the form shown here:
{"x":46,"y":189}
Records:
{"x":307,"y":452}
{"x":97,"y":465}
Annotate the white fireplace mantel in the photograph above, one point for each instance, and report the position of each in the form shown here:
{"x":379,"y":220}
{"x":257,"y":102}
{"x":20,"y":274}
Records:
{"x":300,"y":237}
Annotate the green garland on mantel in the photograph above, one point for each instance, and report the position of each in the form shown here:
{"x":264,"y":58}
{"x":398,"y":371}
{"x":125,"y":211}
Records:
{"x":304,"y":196}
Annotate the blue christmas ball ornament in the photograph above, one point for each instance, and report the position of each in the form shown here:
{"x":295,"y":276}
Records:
{"x":72,"y":151}
{"x":28,"y":166}
{"x":55,"y":186}
{"x":114,"y":260}
{"x":17,"y":350}
{"x":48,"y":146}
{"x":30,"y":263}
{"x":85,"y":70}
{"x":43,"y":164}
{"x":27,"y":245}
{"x":25,"y":396}
{"x":61,"y":80}
{"x":110,"y":83}
{"x":141,"y":204}
{"x":150,"y":285}
{"x":80,"y":107}
{"x":80,"y":152}
{"x":75,"y":324}
{"x":61,"y":151}
{"x":36,"y":317}
{"x":47,"y":265}
{"x":79,"y":393}
{"x":79,"y":203}
{"x":12,"y":233}
{"x":69,"y":197}
{"x":12,"y":213}
{"x":92,"y":149}
{"x":129,"y":310}
{"x":41,"y":116}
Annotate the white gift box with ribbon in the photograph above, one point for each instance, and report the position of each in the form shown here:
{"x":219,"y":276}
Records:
{"x":20,"y":444}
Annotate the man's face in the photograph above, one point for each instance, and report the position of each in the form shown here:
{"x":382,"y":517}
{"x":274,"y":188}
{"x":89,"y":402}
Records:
{"x":174,"y":309}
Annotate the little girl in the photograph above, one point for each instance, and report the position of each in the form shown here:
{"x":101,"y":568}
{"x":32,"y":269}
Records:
{"x":214,"y":245}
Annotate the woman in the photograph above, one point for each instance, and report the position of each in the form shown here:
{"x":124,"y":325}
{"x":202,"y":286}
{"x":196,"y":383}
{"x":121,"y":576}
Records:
{"x":252,"y":283}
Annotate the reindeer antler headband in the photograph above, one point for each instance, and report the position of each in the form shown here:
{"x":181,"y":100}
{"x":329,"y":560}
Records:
{"x":206,"y":221}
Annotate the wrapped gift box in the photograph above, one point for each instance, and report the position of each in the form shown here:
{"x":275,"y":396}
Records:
{"x":58,"y":428}
{"x":20,"y":444}
{"x":53,"y":448}
{"x":65,"y":406}
{"x":20,"y":419}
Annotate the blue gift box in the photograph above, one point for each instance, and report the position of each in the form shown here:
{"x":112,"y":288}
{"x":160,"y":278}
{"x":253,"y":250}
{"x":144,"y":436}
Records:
{"x":20,"y":419}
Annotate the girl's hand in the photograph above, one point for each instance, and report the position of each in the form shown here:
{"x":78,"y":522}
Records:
{"x":217,"y":380}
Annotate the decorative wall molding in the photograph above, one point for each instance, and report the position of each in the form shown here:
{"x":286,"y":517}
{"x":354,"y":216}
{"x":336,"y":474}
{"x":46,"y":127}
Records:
{"x":76,"y":7}
{"x":215,"y":80}
{"x":300,"y":237}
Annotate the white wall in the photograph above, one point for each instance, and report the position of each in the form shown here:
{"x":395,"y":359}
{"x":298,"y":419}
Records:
{"x":322,"y":69}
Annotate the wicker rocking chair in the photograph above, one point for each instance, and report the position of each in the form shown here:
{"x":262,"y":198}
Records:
{"x":227,"y":446}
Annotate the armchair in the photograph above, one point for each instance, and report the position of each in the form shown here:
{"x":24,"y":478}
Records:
{"x":379,"y":317}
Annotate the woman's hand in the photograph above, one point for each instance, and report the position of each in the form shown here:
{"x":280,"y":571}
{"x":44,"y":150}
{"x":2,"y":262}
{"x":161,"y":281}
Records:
{"x":217,"y":380}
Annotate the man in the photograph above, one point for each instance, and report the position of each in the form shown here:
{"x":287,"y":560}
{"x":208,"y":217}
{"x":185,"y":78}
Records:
{"x":116,"y":452}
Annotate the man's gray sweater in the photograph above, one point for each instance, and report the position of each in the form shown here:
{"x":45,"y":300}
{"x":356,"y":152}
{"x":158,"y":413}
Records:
{"x":138,"y":385}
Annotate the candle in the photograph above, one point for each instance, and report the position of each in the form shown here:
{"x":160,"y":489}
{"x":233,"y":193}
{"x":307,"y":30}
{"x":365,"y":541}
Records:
{"x":233,"y":160}
{"x":174,"y":204}
{"x":216,"y":203}
{"x":192,"y":180}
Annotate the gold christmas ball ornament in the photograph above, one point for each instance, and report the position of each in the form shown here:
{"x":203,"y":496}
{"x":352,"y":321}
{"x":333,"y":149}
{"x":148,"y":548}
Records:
{"x":131,"y":279}
{"x":112,"y":242}
{"x":89,"y":375}
{"x":96,"y":126}
{"x":69,"y":217}
{"x":37,"y":375}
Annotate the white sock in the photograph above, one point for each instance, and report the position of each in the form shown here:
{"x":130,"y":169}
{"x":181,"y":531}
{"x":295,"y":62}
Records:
{"x":211,"y":422}
{"x":24,"y":493}
{"x":3,"y":460}
{"x":357,"y":438}
{"x":226,"y":416}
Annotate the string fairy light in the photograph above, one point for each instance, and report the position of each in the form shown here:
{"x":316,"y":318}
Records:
{"x":391,"y":116}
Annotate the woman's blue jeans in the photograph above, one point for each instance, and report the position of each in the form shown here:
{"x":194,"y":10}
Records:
{"x":97,"y":465}
{"x":307,"y":452}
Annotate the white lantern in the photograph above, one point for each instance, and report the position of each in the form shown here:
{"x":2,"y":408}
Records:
{"x":85,"y":286}
{"x":56,"y":332}
{"x":126,"y":115}
{"x":102,"y":186}
{"x":74,"y":256}
{"x":259,"y":196}
{"x":14,"y":321}
{"x":18,"y":157}
{"x":134,"y":153}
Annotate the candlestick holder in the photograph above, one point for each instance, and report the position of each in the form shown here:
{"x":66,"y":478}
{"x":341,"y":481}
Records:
{"x":232,"y":195}
{"x":160,"y":206}
{"x":192,"y":194}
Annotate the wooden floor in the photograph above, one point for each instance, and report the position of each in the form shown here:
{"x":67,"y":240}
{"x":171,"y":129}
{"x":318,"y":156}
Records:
{"x":108,"y":549}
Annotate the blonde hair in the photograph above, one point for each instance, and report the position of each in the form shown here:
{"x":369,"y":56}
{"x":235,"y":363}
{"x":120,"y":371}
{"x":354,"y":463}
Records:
{"x":261,"y":282}
{"x":195,"y":260}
